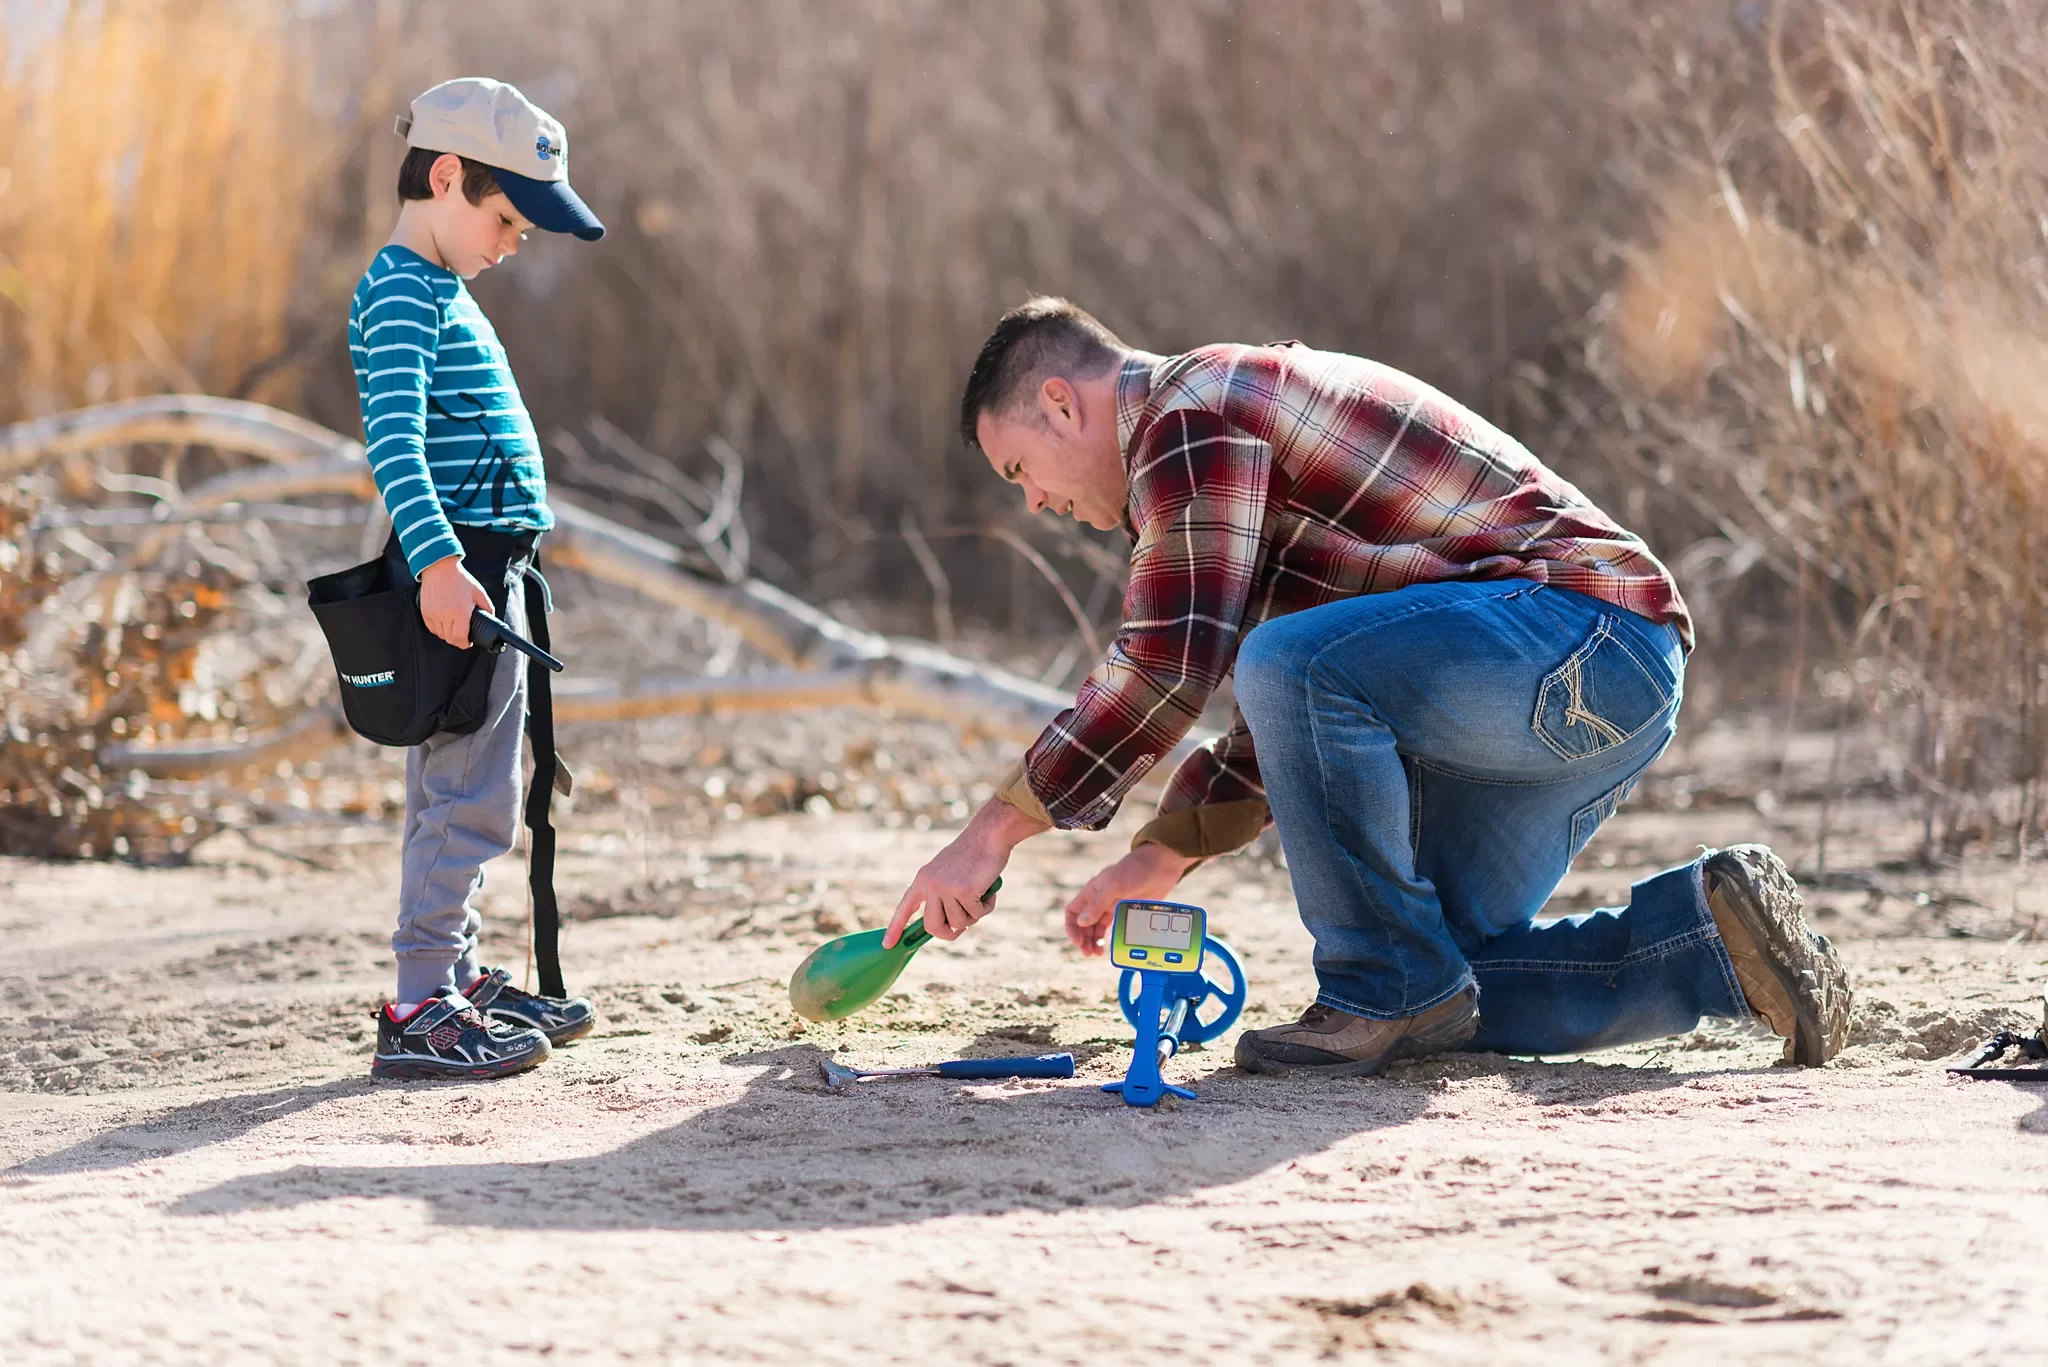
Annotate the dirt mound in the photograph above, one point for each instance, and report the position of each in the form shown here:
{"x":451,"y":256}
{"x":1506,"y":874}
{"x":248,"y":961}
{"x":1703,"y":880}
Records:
{"x":1881,"y":1031}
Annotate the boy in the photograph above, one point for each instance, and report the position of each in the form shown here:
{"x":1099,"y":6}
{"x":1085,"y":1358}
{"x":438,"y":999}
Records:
{"x":455,"y":457}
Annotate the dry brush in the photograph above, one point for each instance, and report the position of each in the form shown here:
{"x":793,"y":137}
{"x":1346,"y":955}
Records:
{"x":1764,"y":276}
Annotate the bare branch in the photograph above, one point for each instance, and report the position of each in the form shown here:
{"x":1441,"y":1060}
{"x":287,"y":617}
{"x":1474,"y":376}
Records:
{"x":1038,"y":562}
{"x":935,"y":575}
{"x":833,"y":662}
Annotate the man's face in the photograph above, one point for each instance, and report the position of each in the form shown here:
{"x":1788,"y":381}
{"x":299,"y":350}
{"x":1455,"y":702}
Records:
{"x":1062,"y":464}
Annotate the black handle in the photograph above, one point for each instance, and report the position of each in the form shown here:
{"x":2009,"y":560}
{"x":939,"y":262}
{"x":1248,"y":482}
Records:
{"x":493,"y":635}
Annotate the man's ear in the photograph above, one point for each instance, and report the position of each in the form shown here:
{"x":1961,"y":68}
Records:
{"x":1057,"y":398}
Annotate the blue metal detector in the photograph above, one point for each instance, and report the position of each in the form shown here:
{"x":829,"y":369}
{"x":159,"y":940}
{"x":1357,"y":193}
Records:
{"x":1179,"y":986}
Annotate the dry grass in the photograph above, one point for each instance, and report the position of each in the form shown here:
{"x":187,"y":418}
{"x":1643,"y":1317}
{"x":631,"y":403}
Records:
{"x":1765,"y":278}
{"x":158,"y":202}
{"x":1830,"y":348}
{"x":817,"y":211}
{"x":165,"y":210}
{"x":95,"y":657}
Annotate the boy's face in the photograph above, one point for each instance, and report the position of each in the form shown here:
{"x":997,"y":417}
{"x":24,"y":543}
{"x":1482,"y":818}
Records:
{"x":472,"y":238}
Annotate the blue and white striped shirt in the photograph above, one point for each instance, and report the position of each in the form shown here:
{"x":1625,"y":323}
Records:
{"x":448,"y":436}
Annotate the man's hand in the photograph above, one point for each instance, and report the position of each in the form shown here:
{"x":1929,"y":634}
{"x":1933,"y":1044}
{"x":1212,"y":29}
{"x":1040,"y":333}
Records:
{"x":447,"y":596}
{"x":949,"y":888}
{"x":1146,"y":872}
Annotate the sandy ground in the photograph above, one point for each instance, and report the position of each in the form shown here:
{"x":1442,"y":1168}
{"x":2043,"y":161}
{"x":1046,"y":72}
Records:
{"x":195,"y":1167}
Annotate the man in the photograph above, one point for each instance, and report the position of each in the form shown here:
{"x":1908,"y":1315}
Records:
{"x":1451,"y":668}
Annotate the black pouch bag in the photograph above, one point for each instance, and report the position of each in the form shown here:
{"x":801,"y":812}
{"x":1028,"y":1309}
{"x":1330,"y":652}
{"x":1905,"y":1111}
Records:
{"x":400,"y":683}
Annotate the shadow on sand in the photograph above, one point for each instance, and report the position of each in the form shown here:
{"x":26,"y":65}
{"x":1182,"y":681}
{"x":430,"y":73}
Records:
{"x":788,"y":1153}
{"x":213,"y":1121}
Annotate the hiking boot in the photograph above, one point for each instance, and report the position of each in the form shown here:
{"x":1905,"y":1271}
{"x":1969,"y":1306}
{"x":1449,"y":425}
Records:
{"x":561,"y":1019}
{"x":1791,"y":977}
{"x":447,"y":1037}
{"x":1326,"y":1040}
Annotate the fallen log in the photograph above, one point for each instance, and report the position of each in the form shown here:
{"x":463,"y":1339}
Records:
{"x":305,"y":737}
{"x":826,"y":662}
{"x":873,"y":685}
{"x":780,"y":625}
{"x":236,"y":425}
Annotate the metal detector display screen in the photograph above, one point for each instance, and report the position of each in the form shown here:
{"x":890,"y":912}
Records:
{"x":1166,"y":936}
{"x":1159,"y":928}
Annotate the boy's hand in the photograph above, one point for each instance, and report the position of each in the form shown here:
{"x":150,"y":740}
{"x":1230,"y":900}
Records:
{"x":447,"y":596}
{"x":1149,"y":871}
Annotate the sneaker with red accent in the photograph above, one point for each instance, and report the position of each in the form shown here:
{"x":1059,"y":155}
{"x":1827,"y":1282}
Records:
{"x":561,"y":1019}
{"x":445,"y":1036}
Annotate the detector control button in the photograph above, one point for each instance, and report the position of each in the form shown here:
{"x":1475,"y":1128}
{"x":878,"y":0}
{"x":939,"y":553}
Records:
{"x":1136,"y":953}
{"x":1173,"y":958}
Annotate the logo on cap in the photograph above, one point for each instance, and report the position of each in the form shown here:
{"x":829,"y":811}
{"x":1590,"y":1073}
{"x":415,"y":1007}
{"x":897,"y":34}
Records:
{"x":545,"y":148}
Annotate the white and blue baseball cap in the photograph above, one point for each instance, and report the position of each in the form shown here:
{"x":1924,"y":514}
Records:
{"x":526,"y":148}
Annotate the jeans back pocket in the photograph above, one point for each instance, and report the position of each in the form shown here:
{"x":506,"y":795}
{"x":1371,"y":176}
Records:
{"x":1602,"y":696}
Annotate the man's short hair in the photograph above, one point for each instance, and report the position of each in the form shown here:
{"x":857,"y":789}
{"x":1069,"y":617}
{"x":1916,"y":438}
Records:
{"x":1039,"y":338}
{"x":416,"y":171}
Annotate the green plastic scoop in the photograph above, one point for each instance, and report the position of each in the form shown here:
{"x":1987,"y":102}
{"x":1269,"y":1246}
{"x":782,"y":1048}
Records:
{"x":844,"y":975}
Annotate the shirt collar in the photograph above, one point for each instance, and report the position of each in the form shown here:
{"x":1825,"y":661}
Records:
{"x":1133,"y":392}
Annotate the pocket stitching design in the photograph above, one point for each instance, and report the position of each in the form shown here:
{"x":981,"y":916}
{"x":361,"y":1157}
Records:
{"x":1603,"y":630}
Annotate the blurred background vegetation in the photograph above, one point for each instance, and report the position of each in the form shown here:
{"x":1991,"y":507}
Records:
{"x":1765,"y":278}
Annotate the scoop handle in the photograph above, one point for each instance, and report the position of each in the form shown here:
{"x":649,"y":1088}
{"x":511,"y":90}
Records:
{"x":915,"y":934}
{"x":1044,"y":1065}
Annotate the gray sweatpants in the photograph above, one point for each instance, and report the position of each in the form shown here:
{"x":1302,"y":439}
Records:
{"x":462,"y":800}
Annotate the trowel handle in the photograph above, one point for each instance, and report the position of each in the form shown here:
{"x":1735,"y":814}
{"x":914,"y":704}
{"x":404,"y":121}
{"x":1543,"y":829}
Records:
{"x":1045,"y":1065}
{"x":492,"y":634}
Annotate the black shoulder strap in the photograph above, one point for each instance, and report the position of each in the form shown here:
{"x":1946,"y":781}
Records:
{"x":540,"y":732}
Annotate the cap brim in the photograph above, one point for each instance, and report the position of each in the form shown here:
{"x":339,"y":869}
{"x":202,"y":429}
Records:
{"x":550,"y":204}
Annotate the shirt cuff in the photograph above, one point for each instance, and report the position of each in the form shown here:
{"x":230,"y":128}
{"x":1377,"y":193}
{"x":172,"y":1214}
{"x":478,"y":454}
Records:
{"x":439,"y":545}
{"x":1015,"y":789}
{"x":1204,"y":832}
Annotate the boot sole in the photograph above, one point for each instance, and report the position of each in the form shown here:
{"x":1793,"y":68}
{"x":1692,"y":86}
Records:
{"x":564,"y":1036}
{"x":556,"y":1038}
{"x":420,"y":1068}
{"x":1790,"y":944}
{"x":573,"y":1032}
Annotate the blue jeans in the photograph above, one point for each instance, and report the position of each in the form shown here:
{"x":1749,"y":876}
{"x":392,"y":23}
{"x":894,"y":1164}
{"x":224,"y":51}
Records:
{"x":1435,"y":758}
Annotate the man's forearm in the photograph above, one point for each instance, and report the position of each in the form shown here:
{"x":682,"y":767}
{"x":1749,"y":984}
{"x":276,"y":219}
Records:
{"x":999,"y":826}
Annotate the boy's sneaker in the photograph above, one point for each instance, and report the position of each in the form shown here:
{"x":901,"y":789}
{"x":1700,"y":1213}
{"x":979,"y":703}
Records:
{"x":448,"y":1037}
{"x":1790,"y":977}
{"x":561,"y":1019}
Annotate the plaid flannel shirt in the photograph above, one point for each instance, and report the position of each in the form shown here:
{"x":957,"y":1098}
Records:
{"x":1266,"y":480}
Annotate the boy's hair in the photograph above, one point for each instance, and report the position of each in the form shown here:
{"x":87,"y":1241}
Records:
{"x":415,"y":170}
{"x":1039,"y":338}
